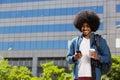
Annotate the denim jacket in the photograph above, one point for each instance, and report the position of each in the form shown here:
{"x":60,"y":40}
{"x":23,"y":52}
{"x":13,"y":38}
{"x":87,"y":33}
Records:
{"x":74,"y":46}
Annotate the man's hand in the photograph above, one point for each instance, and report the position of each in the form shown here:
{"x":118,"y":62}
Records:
{"x":77,"y":56}
{"x":94,"y":55}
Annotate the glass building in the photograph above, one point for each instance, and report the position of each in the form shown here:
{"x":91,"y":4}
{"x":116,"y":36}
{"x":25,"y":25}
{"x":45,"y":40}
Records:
{"x":33,"y":32}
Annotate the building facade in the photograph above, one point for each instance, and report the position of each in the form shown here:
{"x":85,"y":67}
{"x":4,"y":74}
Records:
{"x":33,"y":32}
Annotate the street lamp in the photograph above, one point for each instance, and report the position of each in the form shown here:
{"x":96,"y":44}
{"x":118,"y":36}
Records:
{"x":9,"y":49}
{"x":118,"y":27}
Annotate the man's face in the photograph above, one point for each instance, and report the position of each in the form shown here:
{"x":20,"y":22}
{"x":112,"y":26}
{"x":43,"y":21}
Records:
{"x":86,"y":30}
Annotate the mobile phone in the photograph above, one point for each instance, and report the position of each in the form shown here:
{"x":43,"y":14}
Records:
{"x":78,"y":51}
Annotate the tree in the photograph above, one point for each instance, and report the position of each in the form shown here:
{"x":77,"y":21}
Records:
{"x":115,"y":69}
{"x":4,"y":70}
{"x":52,"y":72}
{"x":35,"y":78}
{"x":8,"y":72}
{"x":19,"y":73}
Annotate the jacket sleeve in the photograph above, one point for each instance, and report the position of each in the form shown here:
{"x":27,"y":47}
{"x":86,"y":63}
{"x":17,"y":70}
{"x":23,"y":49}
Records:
{"x":105,"y":57}
{"x":71,"y":52}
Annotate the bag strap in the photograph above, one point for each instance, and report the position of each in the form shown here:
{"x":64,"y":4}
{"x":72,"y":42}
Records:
{"x":97,"y":42}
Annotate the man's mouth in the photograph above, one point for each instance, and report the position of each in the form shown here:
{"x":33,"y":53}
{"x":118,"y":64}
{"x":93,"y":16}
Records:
{"x":85,"y":31}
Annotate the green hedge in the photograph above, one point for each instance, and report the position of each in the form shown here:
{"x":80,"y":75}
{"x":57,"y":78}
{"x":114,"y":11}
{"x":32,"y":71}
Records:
{"x":114,"y":73}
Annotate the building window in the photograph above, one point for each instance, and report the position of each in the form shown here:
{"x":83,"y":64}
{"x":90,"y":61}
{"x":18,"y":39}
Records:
{"x":118,"y":43}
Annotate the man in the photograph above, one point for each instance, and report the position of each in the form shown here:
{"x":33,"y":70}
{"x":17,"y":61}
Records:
{"x":79,"y":53}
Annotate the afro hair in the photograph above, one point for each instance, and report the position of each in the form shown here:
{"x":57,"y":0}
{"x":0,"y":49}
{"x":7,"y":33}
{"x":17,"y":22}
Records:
{"x":89,"y":17}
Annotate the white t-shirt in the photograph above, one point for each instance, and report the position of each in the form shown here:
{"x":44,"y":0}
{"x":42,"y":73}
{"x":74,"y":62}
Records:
{"x":84,"y":67}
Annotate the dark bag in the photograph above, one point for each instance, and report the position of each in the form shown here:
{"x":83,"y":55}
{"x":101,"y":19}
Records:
{"x":105,"y":67}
